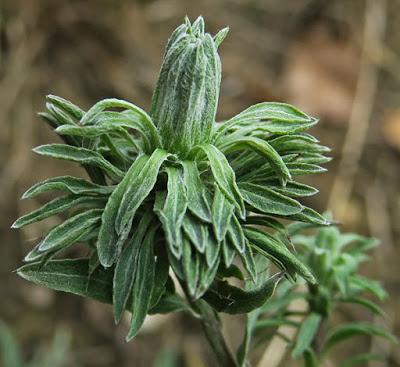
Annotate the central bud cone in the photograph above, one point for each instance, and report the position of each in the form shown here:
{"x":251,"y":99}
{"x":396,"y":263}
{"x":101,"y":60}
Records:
{"x":186,"y":96}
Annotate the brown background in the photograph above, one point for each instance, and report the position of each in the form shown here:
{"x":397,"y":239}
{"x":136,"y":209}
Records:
{"x":338,"y":60}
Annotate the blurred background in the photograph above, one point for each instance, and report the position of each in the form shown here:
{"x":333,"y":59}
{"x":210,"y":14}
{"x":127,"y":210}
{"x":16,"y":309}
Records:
{"x":338,"y":60}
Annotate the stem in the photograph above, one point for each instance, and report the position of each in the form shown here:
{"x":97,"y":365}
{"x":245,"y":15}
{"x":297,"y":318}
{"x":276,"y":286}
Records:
{"x":212,"y":330}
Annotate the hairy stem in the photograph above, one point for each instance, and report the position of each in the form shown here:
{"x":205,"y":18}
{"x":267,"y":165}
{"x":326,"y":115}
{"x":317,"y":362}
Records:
{"x":212,"y":329}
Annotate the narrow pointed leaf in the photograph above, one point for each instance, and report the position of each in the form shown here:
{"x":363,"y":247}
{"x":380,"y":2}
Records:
{"x":195,"y":189}
{"x":70,"y":231}
{"x":307,"y":333}
{"x":107,"y":246}
{"x":57,"y":206}
{"x":279,"y":251}
{"x":80,"y":155}
{"x":173,"y":211}
{"x":125,"y":270}
{"x":72,"y":185}
{"x":269,"y":201}
{"x":138,"y":189}
{"x":71,"y":276}
{"x":235,"y":232}
{"x":224,"y":176}
{"x":196,"y":231}
{"x":143,"y":285}
{"x":222,"y":211}
{"x":191,"y":262}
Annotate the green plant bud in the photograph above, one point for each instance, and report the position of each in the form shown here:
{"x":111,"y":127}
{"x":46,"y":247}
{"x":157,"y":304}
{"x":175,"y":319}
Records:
{"x":185,"y":99}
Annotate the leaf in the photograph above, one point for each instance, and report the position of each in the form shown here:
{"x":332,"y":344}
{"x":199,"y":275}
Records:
{"x":10,"y":351}
{"x":160,"y":277}
{"x":207,"y":275}
{"x":125,"y":270}
{"x":170,"y":303}
{"x":368,"y":285}
{"x":369,"y":305}
{"x":72,"y":185}
{"x":220,"y":36}
{"x":66,"y":106}
{"x":108,"y":244}
{"x":346,"y":331}
{"x":56,"y":206}
{"x":309,"y":215}
{"x":196,"y":231}
{"x":70,"y":231}
{"x":71,"y":276}
{"x":224,"y":176}
{"x":196,"y":191}
{"x":310,"y":359}
{"x":306,"y":335}
{"x":263,"y":148}
{"x":228,"y":251}
{"x":362,"y":359}
{"x":147,"y":126}
{"x":80,"y":155}
{"x":269,"y":201}
{"x":294,"y":189}
{"x":213,"y":249}
{"x":173,"y":211}
{"x":233,"y":300}
{"x":143,"y":285}
{"x":248,"y":262}
{"x":190,"y":262}
{"x":222,"y":211}
{"x":235,"y":232}
{"x":272,"y":247}
{"x":277,"y":118}
{"x":138,"y":189}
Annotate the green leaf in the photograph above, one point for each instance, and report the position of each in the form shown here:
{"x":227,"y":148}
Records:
{"x":125,"y":270}
{"x":273,"y":247}
{"x":248,"y":262}
{"x":310,"y":359}
{"x":108,"y":244}
{"x":173,"y":212}
{"x":138,"y":189}
{"x":66,"y":106}
{"x":10,"y":351}
{"x":196,"y":230}
{"x":222,"y":211}
{"x":160,"y":276}
{"x":213,"y":249}
{"x":228,"y":251}
{"x":207,"y":275}
{"x":70,"y":231}
{"x":276,"y":118}
{"x":233,"y":300}
{"x":224,"y":176}
{"x":71,"y":276}
{"x":196,"y":191}
{"x":220,"y":36}
{"x":170,"y":303}
{"x":190,"y":262}
{"x":343,"y":332}
{"x":306,"y":335}
{"x":269,"y":201}
{"x":263,"y":148}
{"x":362,"y":359}
{"x":143,"y":285}
{"x":368,"y":285}
{"x":309,"y":215}
{"x":72,"y":185}
{"x":235,"y":232}
{"x":369,"y":305}
{"x":56,"y":206}
{"x":146,"y":126}
{"x":80,"y":155}
{"x":294,"y":189}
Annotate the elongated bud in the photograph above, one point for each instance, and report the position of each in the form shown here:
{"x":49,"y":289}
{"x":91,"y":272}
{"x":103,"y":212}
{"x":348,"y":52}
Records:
{"x":186,"y":96}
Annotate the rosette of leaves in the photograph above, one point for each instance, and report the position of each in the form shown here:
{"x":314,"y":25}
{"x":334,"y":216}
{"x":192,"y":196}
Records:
{"x":335,"y":259}
{"x":174,"y":190}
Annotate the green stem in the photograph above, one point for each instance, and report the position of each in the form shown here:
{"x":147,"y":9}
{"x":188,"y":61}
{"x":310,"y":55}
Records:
{"x":212,"y":329}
